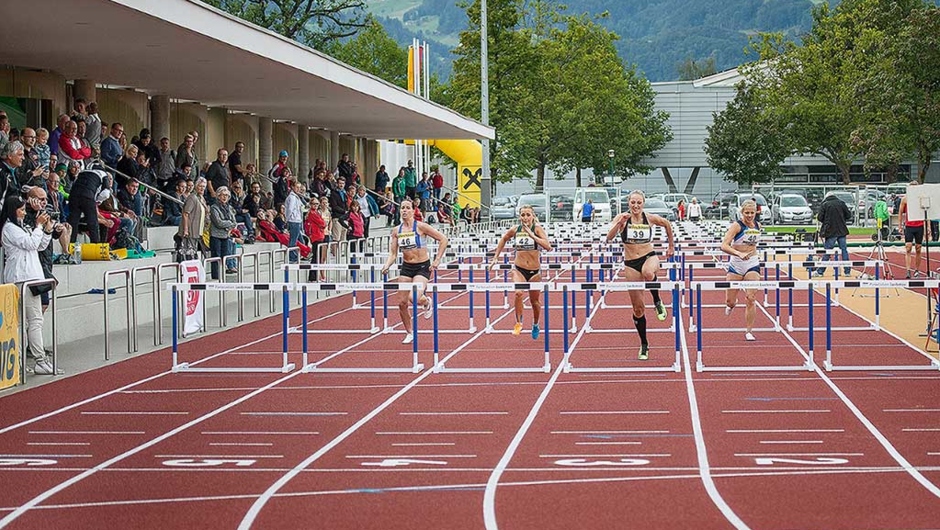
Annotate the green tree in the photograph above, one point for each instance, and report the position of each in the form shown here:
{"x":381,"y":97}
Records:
{"x":314,"y":23}
{"x":745,"y":143}
{"x":375,"y":52}
{"x":690,"y":69}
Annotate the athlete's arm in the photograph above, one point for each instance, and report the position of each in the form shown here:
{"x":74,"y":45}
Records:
{"x":542,"y":238}
{"x":663,"y":222}
{"x":392,"y":251}
{"x":617,"y":226}
{"x":726,"y":247}
{"x":502,"y":244}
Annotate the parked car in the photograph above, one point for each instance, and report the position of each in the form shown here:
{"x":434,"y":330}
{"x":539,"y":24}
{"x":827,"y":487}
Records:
{"x":538,"y":202}
{"x":599,"y":197}
{"x":867,"y":199}
{"x":791,"y":209}
{"x":502,"y":208}
{"x":656,"y":206}
{"x":718,"y":209}
{"x":561,"y":207}
{"x":672,"y":199}
{"x":736,"y":200}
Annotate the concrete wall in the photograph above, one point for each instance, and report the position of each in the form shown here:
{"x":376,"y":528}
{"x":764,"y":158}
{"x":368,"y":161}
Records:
{"x":129,"y":107}
{"x":243,"y":128}
{"x":215,"y":132}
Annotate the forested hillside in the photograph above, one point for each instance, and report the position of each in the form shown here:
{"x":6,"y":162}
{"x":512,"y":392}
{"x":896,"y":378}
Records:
{"x":656,"y":35}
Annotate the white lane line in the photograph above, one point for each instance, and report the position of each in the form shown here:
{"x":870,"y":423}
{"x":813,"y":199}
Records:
{"x":933,"y":454}
{"x":638,"y":455}
{"x":791,"y":441}
{"x":799,"y":454}
{"x":468,"y":413}
{"x":588,"y":412}
{"x":424,"y":444}
{"x":265,"y":496}
{"x":58,"y":443}
{"x":361,"y":457}
{"x":44,"y":456}
{"x":131,"y":413}
{"x":218,"y":456}
{"x":701,"y":452}
{"x":241,"y":444}
{"x":293,"y":413}
{"x":609,"y":432}
{"x":260,"y":433}
{"x":921,"y":430}
{"x":777,"y":411}
{"x":428,"y":433}
{"x":875,"y":432}
{"x":781,"y":431}
{"x":608,"y":443}
{"x":910,"y":410}
{"x":119,"y":433}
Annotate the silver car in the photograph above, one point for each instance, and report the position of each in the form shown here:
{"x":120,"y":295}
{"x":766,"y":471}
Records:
{"x":502,"y":208}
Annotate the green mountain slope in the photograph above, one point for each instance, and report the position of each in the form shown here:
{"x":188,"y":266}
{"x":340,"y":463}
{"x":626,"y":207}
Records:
{"x":656,"y":35}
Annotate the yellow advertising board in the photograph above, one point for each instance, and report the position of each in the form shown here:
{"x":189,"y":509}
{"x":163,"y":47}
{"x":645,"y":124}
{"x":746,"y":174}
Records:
{"x":9,"y":335}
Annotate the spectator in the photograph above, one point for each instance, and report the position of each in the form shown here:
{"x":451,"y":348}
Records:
{"x":21,"y":250}
{"x":71,"y":147}
{"x":186,"y":153}
{"x":585,"y":212}
{"x":242,"y":213}
{"x":381,"y":180}
{"x":278,"y":176}
{"x":221,"y":231}
{"x":324,"y":212}
{"x":294,"y":215}
{"x":338,"y":210}
{"x":31,"y":173}
{"x":173,"y":211}
{"x":42,"y":148}
{"x":368,"y":207}
{"x":680,"y":210}
{"x":389,"y":208}
{"x":57,"y":133}
{"x":56,"y":205}
{"x":695,"y":210}
{"x":344,"y":168}
{"x":107,"y":217}
{"x":356,"y":227}
{"x":37,"y":203}
{"x":109,"y":204}
{"x":445,"y":212}
{"x":423,"y":191}
{"x":145,"y":145}
{"x":93,"y":126}
{"x":83,"y":204}
{"x":411,"y":180}
{"x":4,"y":130}
{"x":130,"y":201}
{"x":111,"y":149}
{"x":193,"y":223}
{"x":399,"y":190}
{"x":218,"y":176}
{"x":165,"y":167}
{"x":11,"y":158}
{"x":236,"y":171}
{"x":437,"y":183}
{"x":127,"y":166}
{"x":834,"y":217}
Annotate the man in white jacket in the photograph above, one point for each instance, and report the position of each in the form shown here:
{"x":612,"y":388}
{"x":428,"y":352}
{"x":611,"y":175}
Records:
{"x":21,"y":247}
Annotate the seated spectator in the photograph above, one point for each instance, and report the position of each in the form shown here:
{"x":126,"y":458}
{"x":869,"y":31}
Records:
{"x":127,"y":166}
{"x":243,"y":210}
{"x":42,"y":147}
{"x":268,"y":232}
{"x":173,"y":211}
{"x":445,"y":211}
{"x":108,"y":220}
{"x":108,"y":202}
{"x":71,"y":147}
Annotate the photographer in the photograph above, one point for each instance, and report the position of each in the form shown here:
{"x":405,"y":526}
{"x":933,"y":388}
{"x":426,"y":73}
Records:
{"x":36,"y":204}
{"x":21,"y":247}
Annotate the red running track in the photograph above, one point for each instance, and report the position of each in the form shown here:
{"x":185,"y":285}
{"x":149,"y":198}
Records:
{"x":133,"y":445}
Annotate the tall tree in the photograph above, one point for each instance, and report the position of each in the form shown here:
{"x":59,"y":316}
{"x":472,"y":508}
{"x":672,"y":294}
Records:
{"x":315,"y":23}
{"x":690,"y":69}
{"x":375,"y":52}
{"x":744,"y":142}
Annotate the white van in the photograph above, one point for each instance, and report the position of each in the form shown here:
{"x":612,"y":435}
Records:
{"x":598,"y":197}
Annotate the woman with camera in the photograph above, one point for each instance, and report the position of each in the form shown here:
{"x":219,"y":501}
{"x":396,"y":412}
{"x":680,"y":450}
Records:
{"x":21,"y":249}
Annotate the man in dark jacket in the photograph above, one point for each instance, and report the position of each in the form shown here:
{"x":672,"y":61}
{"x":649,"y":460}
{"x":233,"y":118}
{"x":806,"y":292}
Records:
{"x":834,"y":217}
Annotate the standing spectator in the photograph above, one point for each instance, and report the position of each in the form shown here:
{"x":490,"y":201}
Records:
{"x":344,"y":168}
{"x":62,"y":121}
{"x":31,"y":173}
{"x":834,"y":217}
{"x":93,"y":126}
{"x":695,"y":210}
{"x":127,"y":166}
{"x":218,"y":176}
{"x":236,"y":170}
{"x":680,"y":210}
{"x":399,"y":190}
{"x":145,"y":145}
{"x":166,"y":166}
{"x":437,"y":184}
{"x":293,"y":212}
{"x":338,"y":210}
{"x":411,"y":180}
{"x":356,"y":227}
{"x":389,"y":208}
{"x":21,"y":251}
{"x":12,"y":156}
{"x":381,"y":180}
{"x":315,"y":228}
{"x":111,"y":150}
{"x":368,"y":207}
{"x":278,"y":176}
{"x":42,"y":148}
{"x":882,"y":218}
{"x":193,"y":224}
{"x":222,"y":225}
{"x":186,"y":153}
{"x":83,"y":204}
{"x":586,"y":211}
{"x":37,"y":203}
{"x":423,"y":191}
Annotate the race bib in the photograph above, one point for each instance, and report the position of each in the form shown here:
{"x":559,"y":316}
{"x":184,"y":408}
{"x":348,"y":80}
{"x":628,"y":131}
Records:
{"x":407,"y":240}
{"x":639,"y":233}
{"x":751,"y":237}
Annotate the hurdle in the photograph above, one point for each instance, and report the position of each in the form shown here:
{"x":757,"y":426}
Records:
{"x":700,"y":366}
{"x":673,"y":286}
{"x":197,"y":290}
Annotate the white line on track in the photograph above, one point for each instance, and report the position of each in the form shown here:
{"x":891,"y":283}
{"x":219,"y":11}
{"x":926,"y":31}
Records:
{"x":131,"y":413}
{"x":791,"y":441}
{"x":360,"y":457}
{"x":910,"y":410}
{"x":799,"y":454}
{"x":260,"y":433}
{"x":119,"y":433}
{"x":933,"y":454}
{"x":608,"y":443}
{"x":610,"y":432}
{"x":622,"y":455}
{"x":426,"y":433}
{"x":218,"y":456}
{"x":44,"y":456}
{"x":589,"y":412}
{"x":58,"y":443}
{"x":920,"y":430}
{"x":241,"y":444}
{"x":293,"y":413}
{"x":424,"y":444}
{"x":780,"y":411}
{"x":782,"y":431}
{"x":468,"y":413}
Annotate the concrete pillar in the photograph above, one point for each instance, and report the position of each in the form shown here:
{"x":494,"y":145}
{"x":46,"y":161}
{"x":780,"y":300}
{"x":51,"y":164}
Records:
{"x":160,"y":118}
{"x":265,"y":146}
{"x":303,"y":152}
{"x":334,"y":151}
{"x":84,"y":88}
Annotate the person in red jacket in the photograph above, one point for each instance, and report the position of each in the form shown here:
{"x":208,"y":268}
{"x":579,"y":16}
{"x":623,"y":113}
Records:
{"x":437,"y":184}
{"x":71,"y":147}
{"x":315,"y":228}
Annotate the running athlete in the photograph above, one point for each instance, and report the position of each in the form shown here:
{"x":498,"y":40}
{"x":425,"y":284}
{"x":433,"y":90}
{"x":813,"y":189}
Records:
{"x":410,"y":236}
{"x":528,"y":238}
{"x":636,"y":232}
{"x":740,"y":242}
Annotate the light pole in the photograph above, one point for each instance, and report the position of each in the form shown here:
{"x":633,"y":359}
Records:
{"x":610,"y":155}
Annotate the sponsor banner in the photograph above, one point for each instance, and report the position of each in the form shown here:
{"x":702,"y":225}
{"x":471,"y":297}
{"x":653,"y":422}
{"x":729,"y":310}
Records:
{"x":9,"y":335}
{"x":193,"y":272}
